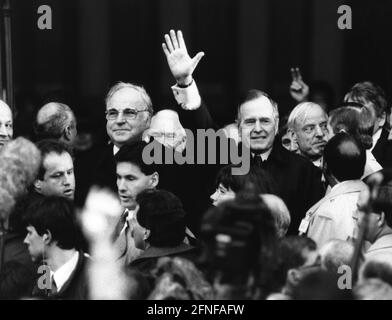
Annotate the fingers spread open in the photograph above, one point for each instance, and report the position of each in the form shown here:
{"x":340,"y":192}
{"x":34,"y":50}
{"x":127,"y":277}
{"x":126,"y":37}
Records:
{"x":165,"y":49}
{"x":169,"y":44}
{"x":181,"y":41}
{"x":174,"y":39}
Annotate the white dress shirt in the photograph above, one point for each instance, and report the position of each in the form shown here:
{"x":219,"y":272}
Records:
{"x":62,"y":274}
{"x":188,"y":98}
{"x":375,"y":138}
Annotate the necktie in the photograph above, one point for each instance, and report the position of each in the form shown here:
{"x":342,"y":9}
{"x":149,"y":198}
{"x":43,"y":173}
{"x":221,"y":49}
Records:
{"x":53,"y":286}
{"x":258,"y":161}
{"x":120,"y":224}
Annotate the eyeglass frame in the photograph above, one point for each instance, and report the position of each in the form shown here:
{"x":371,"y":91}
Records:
{"x":122,"y":111}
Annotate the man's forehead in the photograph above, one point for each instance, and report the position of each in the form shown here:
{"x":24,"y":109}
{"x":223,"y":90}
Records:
{"x":128,"y":168}
{"x":126,"y":98}
{"x":259,"y":107}
{"x":314,"y":115}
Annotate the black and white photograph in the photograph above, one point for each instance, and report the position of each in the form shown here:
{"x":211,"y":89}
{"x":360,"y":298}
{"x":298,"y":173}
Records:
{"x":206,"y":153}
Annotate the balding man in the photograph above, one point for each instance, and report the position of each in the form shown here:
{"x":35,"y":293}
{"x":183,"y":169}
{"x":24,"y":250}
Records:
{"x":334,"y":216}
{"x":166,"y":128}
{"x":308,"y":126}
{"x":6,"y":123}
{"x":56,"y":120}
{"x":129,"y":109}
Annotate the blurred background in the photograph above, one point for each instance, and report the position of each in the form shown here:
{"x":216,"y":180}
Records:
{"x":248,"y":44}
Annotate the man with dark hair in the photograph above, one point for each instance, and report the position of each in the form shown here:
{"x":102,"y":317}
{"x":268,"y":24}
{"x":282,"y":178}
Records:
{"x":333,"y":216}
{"x":294,"y":253}
{"x":56,"y":174}
{"x":239,"y":253}
{"x":56,"y":120}
{"x":227,"y":184}
{"x":133,"y":175}
{"x":379,"y":228}
{"x":298,"y":182}
{"x":53,"y":236}
{"x":159,"y":228}
{"x":373,"y":97}
{"x":358,"y":122}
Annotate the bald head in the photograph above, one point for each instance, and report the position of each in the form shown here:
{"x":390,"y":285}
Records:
{"x":56,"y":121}
{"x":6,"y":124}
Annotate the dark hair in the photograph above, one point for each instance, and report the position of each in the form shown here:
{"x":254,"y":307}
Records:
{"x":383,"y":201}
{"x":261,"y":181}
{"x":320,"y":285}
{"x":345,"y":157}
{"x":364,"y":92}
{"x":162,"y":213}
{"x":133,"y":154}
{"x":359,"y":122}
{"x":57,"y":215}
{"x":379,"y":270}
{"x":240,"y":237}
{"x":323,"y":89}
{"x":47,"y":146}
{"x":289,"y":256}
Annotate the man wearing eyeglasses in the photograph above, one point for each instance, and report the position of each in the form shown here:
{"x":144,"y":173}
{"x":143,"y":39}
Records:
{"x":129,"y":108}
{"x":128,"y":114}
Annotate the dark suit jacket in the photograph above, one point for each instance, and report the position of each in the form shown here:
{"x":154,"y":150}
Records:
{"x":18,"y":272}
{"x":75,"y":288}
{"x":147,"y":260}
{"x":94,"y":167}
{"x":298,"y":182}
{"x":383,"y":149}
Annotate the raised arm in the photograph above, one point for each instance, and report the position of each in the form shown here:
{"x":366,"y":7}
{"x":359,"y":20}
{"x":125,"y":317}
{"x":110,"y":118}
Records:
{"x":193,"y":113}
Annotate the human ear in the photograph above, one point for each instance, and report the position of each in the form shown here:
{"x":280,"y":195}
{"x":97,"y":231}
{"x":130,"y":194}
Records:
{"x":154,"y":180}
{"x":146,"y":234}
{"x":292,"y":135}
{"x":381,"y":219}
{"x":47,"y":237}
{"x":38,"y":185}
{"x":293,"y":276}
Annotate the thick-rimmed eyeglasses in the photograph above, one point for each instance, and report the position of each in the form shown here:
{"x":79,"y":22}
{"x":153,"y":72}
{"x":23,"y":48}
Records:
{"x":128,"y":113}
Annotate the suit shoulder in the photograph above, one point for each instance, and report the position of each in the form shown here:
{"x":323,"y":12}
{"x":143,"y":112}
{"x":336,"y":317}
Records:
{"x":297,"y":159}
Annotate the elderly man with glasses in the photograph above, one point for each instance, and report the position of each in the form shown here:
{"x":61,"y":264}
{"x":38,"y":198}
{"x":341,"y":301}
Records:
{"x":129,"y":109}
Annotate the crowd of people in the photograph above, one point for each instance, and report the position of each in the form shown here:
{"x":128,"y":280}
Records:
{"x":310,"y":219}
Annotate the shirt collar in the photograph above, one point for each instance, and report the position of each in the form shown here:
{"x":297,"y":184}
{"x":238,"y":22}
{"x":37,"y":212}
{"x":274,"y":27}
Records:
{"x":318,"y":163}
{"x":62,"y":275}
{"x":375,"y":138}
{"x":264,"y":156}
{"x":115,"y":149}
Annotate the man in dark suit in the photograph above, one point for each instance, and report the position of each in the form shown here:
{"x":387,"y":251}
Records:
{"x":296,"y":178}
{"x":129,"y":108}
{"x":373,"y":97}
{"x":53,"y":237}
